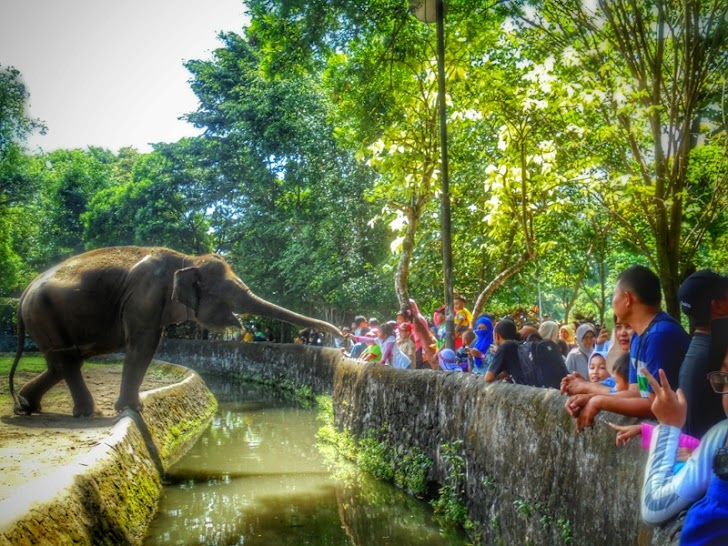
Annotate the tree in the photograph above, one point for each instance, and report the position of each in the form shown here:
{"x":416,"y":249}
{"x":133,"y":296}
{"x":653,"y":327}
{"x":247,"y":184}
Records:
{"x":69,"y":179}
{"x":15,"y":126}
{"x":163,"y":202}
{"x":17,"y":183}
{"x":289,"y":211}
{"x":652,"y":69}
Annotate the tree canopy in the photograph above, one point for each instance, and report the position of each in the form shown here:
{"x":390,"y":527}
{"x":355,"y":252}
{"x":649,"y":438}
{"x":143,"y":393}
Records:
{"x":583,"y":137}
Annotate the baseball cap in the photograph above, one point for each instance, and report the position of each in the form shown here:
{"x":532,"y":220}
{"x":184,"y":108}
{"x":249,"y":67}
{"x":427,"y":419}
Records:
{"x":698,"y":291}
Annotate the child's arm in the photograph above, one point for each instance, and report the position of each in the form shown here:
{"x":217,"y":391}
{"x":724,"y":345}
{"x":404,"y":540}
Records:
{"x":687,"y":444}
{"x":625,"y":432}
{"x":387,"y":351}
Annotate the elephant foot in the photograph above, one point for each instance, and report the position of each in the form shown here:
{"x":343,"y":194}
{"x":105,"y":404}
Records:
{"x":122,"y":404}
{"x":24,"y":407}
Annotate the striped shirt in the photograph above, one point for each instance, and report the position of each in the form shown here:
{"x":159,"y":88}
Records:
{"x":665,"y":493}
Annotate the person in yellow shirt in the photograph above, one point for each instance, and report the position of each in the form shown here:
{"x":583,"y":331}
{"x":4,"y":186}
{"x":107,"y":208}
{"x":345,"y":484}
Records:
{"x":463,"y":318}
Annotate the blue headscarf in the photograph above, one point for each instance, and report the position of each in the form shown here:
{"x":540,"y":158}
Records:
{"x":484,"y":338}
{"x":483,"y":341}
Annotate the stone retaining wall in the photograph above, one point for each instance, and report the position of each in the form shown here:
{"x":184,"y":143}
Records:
{"x":529,"y":477}
{"x":109,"y":494}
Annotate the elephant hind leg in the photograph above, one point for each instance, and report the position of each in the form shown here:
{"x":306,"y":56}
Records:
{"x":32,"y":393}
{"x":83,"y":400}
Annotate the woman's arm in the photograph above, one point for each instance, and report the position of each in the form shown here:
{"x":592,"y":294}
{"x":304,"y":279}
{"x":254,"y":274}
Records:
{"x":665,"y":494}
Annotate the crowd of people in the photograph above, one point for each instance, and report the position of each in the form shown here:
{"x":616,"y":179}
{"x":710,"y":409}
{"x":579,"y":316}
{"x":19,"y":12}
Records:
{"x":643,"y":365}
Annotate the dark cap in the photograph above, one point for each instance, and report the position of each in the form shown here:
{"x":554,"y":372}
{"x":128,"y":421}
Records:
{"x":698,"y":291}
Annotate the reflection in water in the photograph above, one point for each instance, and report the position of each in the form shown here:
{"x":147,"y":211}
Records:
{"x":256,"y":478}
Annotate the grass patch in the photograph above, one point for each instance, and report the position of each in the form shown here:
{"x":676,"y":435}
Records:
{"x":26,"y":364}
{"x":34,"y":363}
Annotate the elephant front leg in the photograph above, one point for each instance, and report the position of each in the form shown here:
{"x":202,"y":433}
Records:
{"x":139,"y":352}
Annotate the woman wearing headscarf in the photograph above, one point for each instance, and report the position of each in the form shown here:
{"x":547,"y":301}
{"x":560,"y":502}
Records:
{"x":550,"y":330}
{"x":566,"y":334}
{"x":480,"y":351}
{"x":578,"y":358}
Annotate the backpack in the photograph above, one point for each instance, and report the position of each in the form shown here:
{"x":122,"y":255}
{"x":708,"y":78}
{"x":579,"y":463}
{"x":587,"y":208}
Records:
{"x":541,"y":363}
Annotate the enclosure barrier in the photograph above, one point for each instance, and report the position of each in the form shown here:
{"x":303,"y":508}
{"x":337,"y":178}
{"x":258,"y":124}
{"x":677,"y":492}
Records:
{"x":529,"y":477}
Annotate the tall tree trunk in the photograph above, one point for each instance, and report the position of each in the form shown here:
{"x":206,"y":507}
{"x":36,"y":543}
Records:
{"x":401,"y":277}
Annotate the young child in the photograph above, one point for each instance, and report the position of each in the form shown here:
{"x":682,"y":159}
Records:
{"x":391,"y":355}
{"x":598,"y":368}
{"x":359,"y":342}
{"x":448,"y":361}
{"x":373,"y":351}
{"x":462,"y":319}
{"x":620,"y":372}
{"x":464,"y":353}
{"x":686,"y":444}
{"x":406,"y":344}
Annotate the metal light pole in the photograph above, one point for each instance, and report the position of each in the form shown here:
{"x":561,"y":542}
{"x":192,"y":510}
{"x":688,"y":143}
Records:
{"x":423,"y":10}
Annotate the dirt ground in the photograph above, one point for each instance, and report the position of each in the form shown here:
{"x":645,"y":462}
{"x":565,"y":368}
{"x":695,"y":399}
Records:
{"x":31,"y":446}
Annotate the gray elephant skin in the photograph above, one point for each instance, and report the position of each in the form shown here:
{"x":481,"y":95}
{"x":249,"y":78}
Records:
{"x":120,"y":298}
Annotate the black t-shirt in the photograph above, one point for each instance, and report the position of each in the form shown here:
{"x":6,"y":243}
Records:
{"x":705,"y":408}
{"x":506,"y":360}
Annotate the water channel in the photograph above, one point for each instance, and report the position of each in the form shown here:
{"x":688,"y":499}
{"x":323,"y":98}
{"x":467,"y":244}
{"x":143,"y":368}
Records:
{"x":256,"y":477}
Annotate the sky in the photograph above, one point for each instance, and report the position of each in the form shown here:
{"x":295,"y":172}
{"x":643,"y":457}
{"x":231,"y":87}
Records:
{"x":110,"y":73}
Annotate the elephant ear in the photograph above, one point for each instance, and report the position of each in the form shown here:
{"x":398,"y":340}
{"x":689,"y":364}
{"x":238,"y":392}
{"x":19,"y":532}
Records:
{"x":187,"y":287}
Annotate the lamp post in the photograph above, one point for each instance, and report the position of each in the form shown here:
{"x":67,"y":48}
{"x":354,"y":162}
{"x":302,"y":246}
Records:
{"x":429,"y":11}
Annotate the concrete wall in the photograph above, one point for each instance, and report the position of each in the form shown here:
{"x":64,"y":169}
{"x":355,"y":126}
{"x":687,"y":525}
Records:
{"x":529,"y":477}
{"x":108,"y":495}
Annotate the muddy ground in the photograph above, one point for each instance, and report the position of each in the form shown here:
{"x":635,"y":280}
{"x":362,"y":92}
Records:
{"x":31,"y":446}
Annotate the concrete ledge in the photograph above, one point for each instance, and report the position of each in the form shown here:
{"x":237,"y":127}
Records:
{"x":108,"y":495}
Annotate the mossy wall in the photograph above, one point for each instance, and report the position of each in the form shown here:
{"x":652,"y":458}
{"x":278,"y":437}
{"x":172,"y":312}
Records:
{"x":529,"y":477}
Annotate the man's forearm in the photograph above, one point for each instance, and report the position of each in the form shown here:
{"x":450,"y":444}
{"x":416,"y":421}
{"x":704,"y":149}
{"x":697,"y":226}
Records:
{"x":632,"y":406}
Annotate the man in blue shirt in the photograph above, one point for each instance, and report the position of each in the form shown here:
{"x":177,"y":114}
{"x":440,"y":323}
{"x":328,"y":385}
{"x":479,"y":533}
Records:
{"x":659,"y":341}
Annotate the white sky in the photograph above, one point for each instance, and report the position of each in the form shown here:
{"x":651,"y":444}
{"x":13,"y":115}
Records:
{"x":109,"y":73}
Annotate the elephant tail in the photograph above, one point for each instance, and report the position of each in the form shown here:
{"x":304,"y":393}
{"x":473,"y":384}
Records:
{"x":18,"y":354}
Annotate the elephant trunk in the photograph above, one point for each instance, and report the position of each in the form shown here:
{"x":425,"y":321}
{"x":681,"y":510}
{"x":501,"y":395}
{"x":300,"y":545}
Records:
{"x":255,"y":305}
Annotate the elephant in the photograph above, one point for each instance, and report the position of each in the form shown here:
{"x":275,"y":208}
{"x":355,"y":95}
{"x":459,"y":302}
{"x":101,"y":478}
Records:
{"x":120,"y":298}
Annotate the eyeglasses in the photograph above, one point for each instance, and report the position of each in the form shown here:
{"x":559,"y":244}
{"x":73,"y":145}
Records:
{"x":718,"y":382}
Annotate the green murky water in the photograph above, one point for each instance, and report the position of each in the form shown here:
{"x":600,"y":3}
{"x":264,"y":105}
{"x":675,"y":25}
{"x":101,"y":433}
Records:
{"x":256,"y":477}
